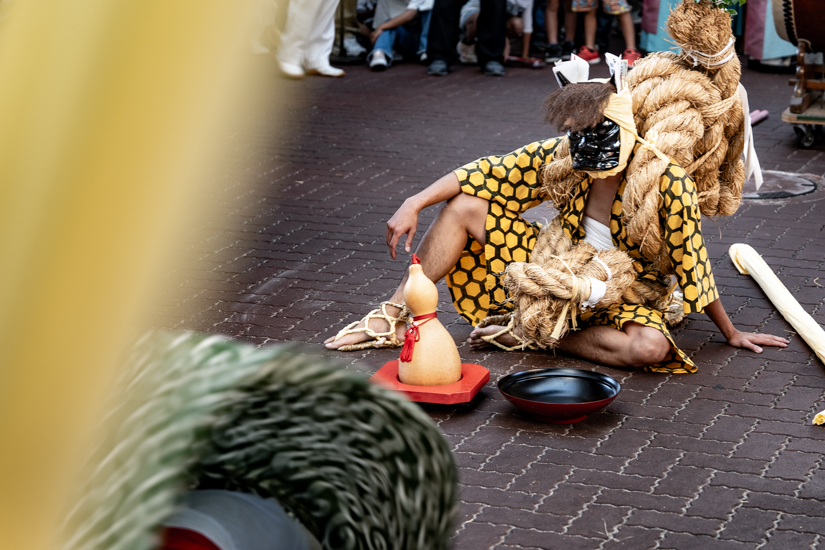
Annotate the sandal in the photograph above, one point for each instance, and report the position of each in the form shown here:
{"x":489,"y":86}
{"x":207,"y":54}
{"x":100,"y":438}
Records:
{"x":491,"y":338}
{"x":379,"y":339}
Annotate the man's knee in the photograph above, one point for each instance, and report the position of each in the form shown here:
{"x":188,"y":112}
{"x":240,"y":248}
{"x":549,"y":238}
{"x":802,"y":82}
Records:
{"x":465,"y":206}
{"x":649,"y":347}
{"x":469,"y":212}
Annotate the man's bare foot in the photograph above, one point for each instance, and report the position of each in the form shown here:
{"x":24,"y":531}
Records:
{"x":475,"y":341}
{"x":376,"y":323}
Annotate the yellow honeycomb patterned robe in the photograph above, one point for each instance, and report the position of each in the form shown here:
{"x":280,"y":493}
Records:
{"x":511,"y":184}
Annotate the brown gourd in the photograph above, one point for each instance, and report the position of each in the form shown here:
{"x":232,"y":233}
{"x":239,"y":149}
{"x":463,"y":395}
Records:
{"x":434,"y":357}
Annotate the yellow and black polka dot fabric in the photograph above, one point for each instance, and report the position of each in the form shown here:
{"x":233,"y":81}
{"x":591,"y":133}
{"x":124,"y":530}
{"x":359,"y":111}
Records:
{"x":676,"y":361}
{"x":511,"y":185}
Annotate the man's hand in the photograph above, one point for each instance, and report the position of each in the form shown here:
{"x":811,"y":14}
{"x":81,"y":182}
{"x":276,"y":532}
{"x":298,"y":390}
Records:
{"x":752,"y":341}
{"x":403,"y":222}
{"x":375,"y":34}
{"x":737,"y":338}
{"x":405,"y":219}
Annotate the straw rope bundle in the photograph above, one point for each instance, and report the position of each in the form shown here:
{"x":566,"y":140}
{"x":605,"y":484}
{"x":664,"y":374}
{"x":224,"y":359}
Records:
{"x":704,"y":34}
{"x":688,"y":105}
{"x":548,"y":291}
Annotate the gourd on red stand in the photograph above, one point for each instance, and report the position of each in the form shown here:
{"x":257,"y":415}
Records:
{"x":429,"y":356}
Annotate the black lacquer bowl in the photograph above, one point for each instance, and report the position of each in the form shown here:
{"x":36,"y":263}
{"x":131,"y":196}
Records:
{"x":559,"y":396}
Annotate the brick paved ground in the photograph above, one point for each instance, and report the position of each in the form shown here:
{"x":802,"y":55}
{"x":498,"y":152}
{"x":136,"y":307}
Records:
{"x":725,"y":458}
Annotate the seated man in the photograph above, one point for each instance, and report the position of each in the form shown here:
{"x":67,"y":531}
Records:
{"x":392,"y":33}
{"x":480,"y":231}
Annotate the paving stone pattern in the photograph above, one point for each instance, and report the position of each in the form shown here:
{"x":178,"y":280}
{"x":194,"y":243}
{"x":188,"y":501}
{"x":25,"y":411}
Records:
{"x":293,"y":247}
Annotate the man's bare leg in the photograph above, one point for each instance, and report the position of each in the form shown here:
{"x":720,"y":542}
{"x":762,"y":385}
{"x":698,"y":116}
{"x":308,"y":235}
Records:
{"x":439,"y":251}
{"x":634,"y":346}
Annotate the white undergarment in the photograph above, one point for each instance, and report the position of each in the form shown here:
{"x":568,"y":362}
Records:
{"x":597,"y":234}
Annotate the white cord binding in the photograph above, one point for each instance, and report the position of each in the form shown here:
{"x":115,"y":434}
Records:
{"x":708,"y":60}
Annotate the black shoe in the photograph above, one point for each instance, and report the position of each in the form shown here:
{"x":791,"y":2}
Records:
{"x":438,"y":68}
{"x":567,"y":48}
{"x":493,"y":68}
{"x":554,"y":53}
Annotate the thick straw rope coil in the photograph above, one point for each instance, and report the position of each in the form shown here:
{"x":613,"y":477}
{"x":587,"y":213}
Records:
{"x":689,"y":105}
{"x":548,"y":291}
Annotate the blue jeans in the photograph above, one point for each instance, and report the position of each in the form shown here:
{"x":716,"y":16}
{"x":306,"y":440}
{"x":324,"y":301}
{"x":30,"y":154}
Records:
{"x":407,"y":42}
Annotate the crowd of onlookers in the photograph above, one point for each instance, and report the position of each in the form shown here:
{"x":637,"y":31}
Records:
{"x":439,"y":33}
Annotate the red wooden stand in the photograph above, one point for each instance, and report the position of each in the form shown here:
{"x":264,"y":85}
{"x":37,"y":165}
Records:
{"x":473,"y":377}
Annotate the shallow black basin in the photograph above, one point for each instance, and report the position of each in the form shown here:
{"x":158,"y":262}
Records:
{"x":559,"y":396}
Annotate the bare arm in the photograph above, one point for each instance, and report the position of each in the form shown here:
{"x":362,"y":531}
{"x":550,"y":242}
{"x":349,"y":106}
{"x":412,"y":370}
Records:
{"x":405,"y":219}
{"x":737,"y":338}
{"x":404,"y":17}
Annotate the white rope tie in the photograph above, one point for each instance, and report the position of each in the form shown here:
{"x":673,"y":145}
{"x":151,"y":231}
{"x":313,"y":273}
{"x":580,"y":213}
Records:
{"x":708,"y":60}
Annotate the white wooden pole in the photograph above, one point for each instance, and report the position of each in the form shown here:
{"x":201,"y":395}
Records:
{"x":749,"y":262}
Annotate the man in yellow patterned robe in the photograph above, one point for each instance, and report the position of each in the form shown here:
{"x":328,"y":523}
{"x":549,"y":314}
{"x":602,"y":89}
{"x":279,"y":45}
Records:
{"x":480,"y":231}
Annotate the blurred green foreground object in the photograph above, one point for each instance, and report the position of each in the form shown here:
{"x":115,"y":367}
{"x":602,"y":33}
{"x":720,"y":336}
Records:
{"x":360,"y":466}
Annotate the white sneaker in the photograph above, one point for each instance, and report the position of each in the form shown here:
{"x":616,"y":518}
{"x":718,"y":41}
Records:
{"x":353,"y":48}
{"x":378,"y":61}
{"x":467,"y":53}
{"x":326,"y":70}
{"x":291,"y":70}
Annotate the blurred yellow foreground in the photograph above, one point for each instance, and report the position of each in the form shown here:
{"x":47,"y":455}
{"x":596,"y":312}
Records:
{"x":107,"y":112}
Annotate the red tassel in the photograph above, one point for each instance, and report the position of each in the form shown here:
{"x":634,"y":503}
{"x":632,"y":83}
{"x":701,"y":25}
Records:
{"x":415,"y":259}
{"x":412,"y":336}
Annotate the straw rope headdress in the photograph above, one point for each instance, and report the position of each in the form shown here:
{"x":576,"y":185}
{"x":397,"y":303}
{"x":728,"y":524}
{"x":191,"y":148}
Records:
{"x":686,"y":107}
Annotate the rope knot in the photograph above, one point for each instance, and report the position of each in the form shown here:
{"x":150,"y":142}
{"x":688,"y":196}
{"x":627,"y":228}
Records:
{"x":650,"y":145}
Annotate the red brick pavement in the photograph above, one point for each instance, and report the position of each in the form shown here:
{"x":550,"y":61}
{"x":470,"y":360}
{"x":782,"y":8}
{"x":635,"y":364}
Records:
{"x":293,"y":246}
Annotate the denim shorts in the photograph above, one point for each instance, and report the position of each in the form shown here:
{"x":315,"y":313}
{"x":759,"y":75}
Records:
{"x":613,"y":7}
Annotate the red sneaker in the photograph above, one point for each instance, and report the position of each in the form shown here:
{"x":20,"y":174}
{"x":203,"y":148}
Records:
{"x":591,"y":56}
{"x":631,"y":56}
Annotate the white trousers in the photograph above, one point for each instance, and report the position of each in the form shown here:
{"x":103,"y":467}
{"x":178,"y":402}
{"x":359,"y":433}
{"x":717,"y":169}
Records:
{"x":309,"y":33}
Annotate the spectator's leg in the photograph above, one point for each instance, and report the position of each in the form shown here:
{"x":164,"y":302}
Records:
{"x":406,"y":41}
{"x":425,"y":31}
{"x":551,"y":21}
{"x":299,"y":24}
{"x":515,"y":26}
{"x":628,"y":30}
{"x":350,"y":30}
{"x":491,"y":31}
{"x":525,"y":44}
{"x":590,"y":23}
{"x":443,"y":35}
{"x":320,"y":39}
{"x":570,"y":20}
{"x":604,"y":28}
{"x":470,"y":28}
{"x":385,"y":42}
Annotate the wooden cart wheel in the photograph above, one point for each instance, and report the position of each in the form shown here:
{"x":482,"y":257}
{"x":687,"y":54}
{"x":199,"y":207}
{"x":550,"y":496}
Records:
{"x":804,"y":135}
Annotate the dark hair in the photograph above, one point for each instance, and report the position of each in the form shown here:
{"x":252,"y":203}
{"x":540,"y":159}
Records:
{"x":577,"y":106}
